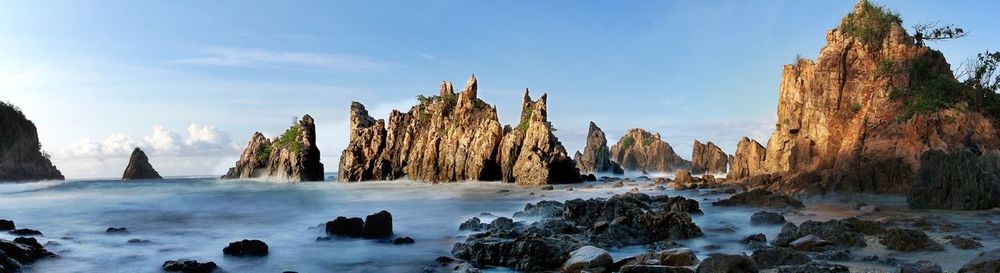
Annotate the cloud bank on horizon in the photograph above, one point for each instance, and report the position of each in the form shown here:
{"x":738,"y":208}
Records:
{"x":189,"y":82}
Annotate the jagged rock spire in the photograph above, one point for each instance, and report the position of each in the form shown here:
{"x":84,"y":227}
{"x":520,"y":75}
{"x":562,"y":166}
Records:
{"x":471,"y":87}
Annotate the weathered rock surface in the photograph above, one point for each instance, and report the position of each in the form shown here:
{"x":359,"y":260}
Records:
{"x":708,"y":158}
{"x":246,"y":248}
{"x":587,"y":259}
{"x":450,"y":265}
{"x":719,"y":263}
{"x":987,"y":261}
{"x":189,"y":266}
{"x":293,"y":156}
{"x":596,"y":156}
{"x":139,"y":167}
{"x":767,"y":258}
{"x":748,"y":160}
{"x":814,"y":267}
{"x":21,"y":156}
{"x":922,"y":266}
{"x":639,"y":150}
{"x":761,"y":198}
{"x":902,"y":239}
{"x":767,"y":218}
{"x":848,"y":232}
{"x":22,"y":251}
{"x":455,"y":137}
{"x":960,"y":180}
{"x":839,"y":129}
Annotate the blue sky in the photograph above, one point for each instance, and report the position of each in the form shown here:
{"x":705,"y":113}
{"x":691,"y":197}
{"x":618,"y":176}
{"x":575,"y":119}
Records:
{"x":191,"y":80}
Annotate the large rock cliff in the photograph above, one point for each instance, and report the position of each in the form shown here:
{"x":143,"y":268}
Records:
{"x":455,"y":137}
{"x":293,"y":156}
{"x":639,"y":150}
{"x":596,"y":156}
{"x":139,"y":167}
{"x":748,"y":160}
{"x":708,"y":158}
{"x":21,"y":157}
{"x":853,"y":120}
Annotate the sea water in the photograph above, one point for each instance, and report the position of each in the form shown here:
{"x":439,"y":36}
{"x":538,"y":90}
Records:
{"x":194,"y":218}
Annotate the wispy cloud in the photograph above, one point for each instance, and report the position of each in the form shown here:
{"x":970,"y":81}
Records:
{"x":261,"y":58}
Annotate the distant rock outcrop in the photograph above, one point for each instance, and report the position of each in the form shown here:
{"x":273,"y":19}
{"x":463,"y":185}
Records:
{"x":21,"y":157}
{"x":708,"y":158}
{"x":748,"y":159}
{"x":139,"y":167}
{"x":639,"y":150}
{"x":853,"y":120}
{"x":454,"y":137}
{"x":596,"y":156}
{"x":293,"y":156}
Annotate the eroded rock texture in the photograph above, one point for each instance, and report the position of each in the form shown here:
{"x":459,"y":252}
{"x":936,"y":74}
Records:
{"x":596,"y":156}
{"x":139,"y":167}
{"x":455,"y":137}
{"x":293,"y":156}
{"x":748,"y":159}
{"x":708,"y":158}
{"x":639,"y":150}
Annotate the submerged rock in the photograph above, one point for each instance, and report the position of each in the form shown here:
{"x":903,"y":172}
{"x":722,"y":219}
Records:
{"x":21,"y":157}
{"x":766,"y":218}
{"x":639,"y":150}
{"x":189,"y":266}
{"x":293,"y":156}
{"x":343,"y":226}
{"x":139,"y":167}
{"x":596,"y":156}
{"x":922,"y":266}
{"x":246,"y":248}
{"x":767,"y":258}
{"x":25,"y":232}
{"x":708,"y":158}
{"x":116,"y":230}
{"x":378,"y":225}
{"x":403,"y":241}
{"x":962,"y":242}
{"x":450,"y":265}
{"x":20,"y":252}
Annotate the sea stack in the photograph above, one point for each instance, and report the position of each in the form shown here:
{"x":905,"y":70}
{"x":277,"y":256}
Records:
{"x":639,"y":150}
{"x":596,"y":156}
{"x":139,"y":167}
{"x":708,"y":158}
{"x":748,"y":159}
{"x":293,"y":156}
{"x":454,"y":137}
{"x":863,"y":115}
{"x":21,"y":157}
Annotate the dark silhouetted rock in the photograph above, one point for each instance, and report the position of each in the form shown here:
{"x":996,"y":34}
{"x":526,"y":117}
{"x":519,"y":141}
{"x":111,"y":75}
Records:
{"x":596,"y":157}
{"x":902,"y":239}
{"x":761,"y":198}
{"x":139,"y":167}
{"x":959,"y":180}
{"x":403,"y":241}
{"x":246,"y":248}
{"x":814,"y":267}
{"x":767,"y":258}
{"x":378,"y":225}
{"x":767,"y":218}
{"x":25,"y":232}
{"x":116,"y":230}
{"x":21,"y":157}
{"x":343,"y":226}
{"x":988,"y":261}
{"x":188,"y":266}
{"x":6,"y":225}
{"x":719,"y":263}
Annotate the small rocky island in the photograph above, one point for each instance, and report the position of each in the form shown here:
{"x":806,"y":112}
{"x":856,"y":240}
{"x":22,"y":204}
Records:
{"x":640,"y":150}
{"x":293,"y":156}
{"x":139,"y":167}
{"x":456,"y":137}
{"x":21,"y":156}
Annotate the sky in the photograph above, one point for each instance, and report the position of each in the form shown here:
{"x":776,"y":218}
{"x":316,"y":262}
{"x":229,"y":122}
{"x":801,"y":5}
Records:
{"x":190,"y":81}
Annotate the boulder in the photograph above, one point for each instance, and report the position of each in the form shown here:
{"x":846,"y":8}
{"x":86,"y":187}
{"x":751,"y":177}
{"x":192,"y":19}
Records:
{"x":761,"y":198}
{"x":246,"y":248}
{"x":986,"y":262}
{"x":20,"y":252}
{"x":343,"y":226}
{"x":403,"y":241}
{"x":525,"y":253}
{"x":139,"y":167}
{"x":21,"y":157}
{"x":708,"y":158}
{"x":654,"y":269}
{"x":639,"y":150}
{"x":810,"y":243}
{"x":450,"y":265}
{"x":767,"y":218}
{"x":768,"y":258}
{"x":25,"y":232}
{"x":727,"y":263}
{"x":473,"y":224}
{"x":922,"y":266}
{"x":596,"y":157}
{"x":293,"y":156}
{"x":587,"y":259}
{"x":754,"y":239}
{"x":378,"y":225}
{"x":6,"y":225}
{"x":189,"y":266}
{"x":902,"y":239}
{"x":542,"y":209}
{"x":962,"y":242}
{"x":116,"y":230}
{"x":747,"y":161}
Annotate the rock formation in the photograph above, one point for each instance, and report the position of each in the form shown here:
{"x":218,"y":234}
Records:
{"x":454,"y":137}
{"x":21,"y":157}
{"x":139,"y":167}
{"x":293,"y":156}
{"x":708,"y":158}
{"x":639,"y":150}
{"x":748,"y":159}
{"x":855,"y":120}
{"x":596,"y":157}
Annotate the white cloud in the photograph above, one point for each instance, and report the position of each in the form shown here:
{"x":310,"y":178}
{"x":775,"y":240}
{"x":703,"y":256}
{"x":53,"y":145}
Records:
{"x":202,"y":140}
{"x":163,"y":140}
{"x":261,"y":58}
{"x":118,"y":144}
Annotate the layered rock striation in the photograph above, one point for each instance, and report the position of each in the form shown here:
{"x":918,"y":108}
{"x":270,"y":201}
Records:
{"x":139,"y":167}
{"x":708,"y":158}
{"x":293,"y":156}
{"x":639,"y":150}
{"x":596,"y":156}
{"x":21,"y":156}
{"x":456,"y":137}
{"x":748,"y":159}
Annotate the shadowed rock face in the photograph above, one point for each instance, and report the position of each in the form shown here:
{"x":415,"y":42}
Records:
{"x":139,"y":167}
{"x":455,"y":137}
{"x":639,"y":150}
{"x":708,"y":158}
{"x":748,"y":159}
{"x":21,"y":157}
{"x":838,"y":128}
{"x":596,"y":157}
{"x":293,"y":156}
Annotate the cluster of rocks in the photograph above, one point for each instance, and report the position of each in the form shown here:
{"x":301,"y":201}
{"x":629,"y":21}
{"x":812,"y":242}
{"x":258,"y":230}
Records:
{"x":625,"y":219}
{"x":293,"y":156}
{"x":456,"y":137}
{"x":22,"y":251}
{"x":596,"y":156}
{"x":20,"y":155}
{"x":640,"y":150}
{"x":375,"y":226}
{"x":139,"y":168}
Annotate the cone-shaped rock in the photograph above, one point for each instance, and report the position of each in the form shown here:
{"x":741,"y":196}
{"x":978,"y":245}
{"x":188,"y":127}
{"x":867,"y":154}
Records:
{"x":596,"y":156}
{"x":139,"y":167}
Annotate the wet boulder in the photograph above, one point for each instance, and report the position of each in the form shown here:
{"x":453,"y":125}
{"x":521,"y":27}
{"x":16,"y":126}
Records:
{"x":814,"y":267}
{"x":6,"y":225}
{"x":189,"y":266}
{"x":116,"y":230}
{"x":654,"y":269}
{"x":473,"y":224}
{"x":450,"y":265}
{"x":542,"y":209}
{"x":727,"y":263}
{"x":902,"y":239}
{"x":986,"y":262}
{"x":22,"y":251}
{"x":246,"y":248}
{"x":681,"y":256}
{"x":343,"y":226}
{"x":587,"y":259}
{"x":525,"y":253}
{"x":378,"y":225}
{"x":762,"y":199}
{"x":679,"y":204}
{"x":962,"y":242}
{"x":767,"y":258}
{"x":848,"y":232}
{"x":758,"y":239}
{"x":25,"y":232}
{"x":767,"y":218}
{"x":406,"y":240}
{"x":922,"y":266}
{"x":810,"y":243}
